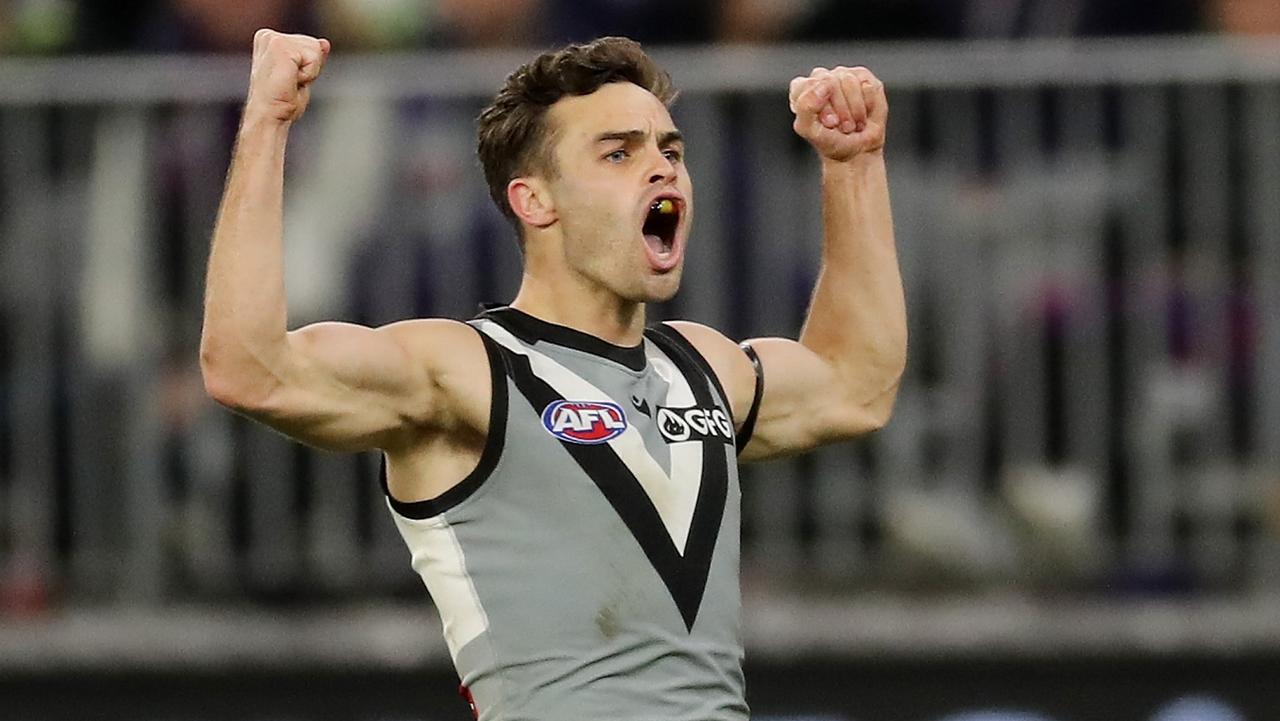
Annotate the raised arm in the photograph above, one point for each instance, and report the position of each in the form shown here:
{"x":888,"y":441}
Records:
{"x":332,"y":385}
{"x":841,"y":378}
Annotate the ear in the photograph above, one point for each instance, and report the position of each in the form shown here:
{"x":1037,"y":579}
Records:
{"x":530,"y":200}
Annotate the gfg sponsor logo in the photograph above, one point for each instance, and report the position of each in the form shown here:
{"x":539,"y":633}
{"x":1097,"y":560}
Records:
{"x":694,"y":424}
{"x":588,"y":422}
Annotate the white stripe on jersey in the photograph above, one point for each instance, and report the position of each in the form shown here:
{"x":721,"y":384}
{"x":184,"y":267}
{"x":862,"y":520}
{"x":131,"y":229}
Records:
{"x":438,"y":558}
{"x":686,"y":458}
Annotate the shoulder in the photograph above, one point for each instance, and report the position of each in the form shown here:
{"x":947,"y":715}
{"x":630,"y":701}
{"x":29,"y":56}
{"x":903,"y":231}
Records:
{"x":718,"y":349}
{"x":441,"y":345}
{"x":434,"y":335}
{"x":454,"y":357}
{"x":727,"y":360}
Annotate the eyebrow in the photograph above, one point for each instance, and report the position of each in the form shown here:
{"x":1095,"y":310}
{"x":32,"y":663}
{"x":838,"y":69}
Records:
{"x":635,"y":136}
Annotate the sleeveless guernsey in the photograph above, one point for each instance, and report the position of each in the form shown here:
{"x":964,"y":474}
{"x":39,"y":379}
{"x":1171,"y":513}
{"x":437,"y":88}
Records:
{"x":587,"y":570}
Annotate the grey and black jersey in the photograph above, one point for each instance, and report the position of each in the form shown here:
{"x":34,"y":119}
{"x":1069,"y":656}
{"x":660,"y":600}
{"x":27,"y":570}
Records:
{"x":588,"y":568}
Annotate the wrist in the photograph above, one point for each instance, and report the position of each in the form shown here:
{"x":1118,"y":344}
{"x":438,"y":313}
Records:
{"x":854,"y":167}
{"x":257,"y":123}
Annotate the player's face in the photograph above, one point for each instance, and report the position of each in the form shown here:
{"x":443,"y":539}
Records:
{"x":622,"y":194}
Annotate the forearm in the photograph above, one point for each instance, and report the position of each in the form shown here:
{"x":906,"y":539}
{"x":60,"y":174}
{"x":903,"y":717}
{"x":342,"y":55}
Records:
{"x":245,"y":312}
{"x":857,"y":319}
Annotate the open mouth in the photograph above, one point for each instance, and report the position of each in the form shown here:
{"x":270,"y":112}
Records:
{"x":660,"y":226}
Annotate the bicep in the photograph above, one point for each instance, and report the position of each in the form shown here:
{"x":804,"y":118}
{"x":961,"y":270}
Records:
{"x":804,"y":404}
{"x":349,"y":387}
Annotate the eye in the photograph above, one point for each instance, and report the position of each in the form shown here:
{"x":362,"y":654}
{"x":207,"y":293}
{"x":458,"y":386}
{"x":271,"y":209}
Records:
{"x":673,"y":154}
{"x":616,"y":156}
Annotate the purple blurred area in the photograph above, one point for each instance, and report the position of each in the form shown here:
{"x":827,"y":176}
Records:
{"x":90,"y":26}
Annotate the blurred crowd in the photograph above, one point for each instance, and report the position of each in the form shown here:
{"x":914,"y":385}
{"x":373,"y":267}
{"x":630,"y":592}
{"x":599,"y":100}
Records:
{"x":80,"y":26}
{"x":387,"y":193}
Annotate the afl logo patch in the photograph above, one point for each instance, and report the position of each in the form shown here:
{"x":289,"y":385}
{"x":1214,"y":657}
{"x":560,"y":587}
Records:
{"x":588,"y":422}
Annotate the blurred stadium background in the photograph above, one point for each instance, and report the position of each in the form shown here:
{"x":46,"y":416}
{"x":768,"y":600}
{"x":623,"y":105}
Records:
{"x":1075,"y":513}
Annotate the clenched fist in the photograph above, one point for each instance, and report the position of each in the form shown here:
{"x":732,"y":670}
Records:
{"x":284,"y":66}
{"x":841,"y":112}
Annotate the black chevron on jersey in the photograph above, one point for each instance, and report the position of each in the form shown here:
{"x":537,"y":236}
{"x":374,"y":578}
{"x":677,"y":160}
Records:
{"x":709,"y":509}
{"x":684,"y":576}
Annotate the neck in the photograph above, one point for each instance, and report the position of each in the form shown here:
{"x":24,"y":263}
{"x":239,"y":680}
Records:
{"x":596,"y":311}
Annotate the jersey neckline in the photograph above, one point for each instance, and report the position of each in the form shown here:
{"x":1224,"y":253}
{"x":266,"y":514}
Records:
{"x":531,"y":330}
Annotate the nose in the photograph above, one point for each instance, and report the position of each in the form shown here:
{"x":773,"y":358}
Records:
{"x":663,"y":170}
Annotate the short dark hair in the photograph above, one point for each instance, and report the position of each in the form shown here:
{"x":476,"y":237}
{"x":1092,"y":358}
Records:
{"x":512,"y":134}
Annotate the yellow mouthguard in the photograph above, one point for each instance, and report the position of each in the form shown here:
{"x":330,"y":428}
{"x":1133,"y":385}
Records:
{"x":665,"y":206}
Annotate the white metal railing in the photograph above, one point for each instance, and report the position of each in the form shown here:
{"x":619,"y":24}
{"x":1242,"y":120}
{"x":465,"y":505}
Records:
{"x":1088,"y":231}
{"x":725,"y":68}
